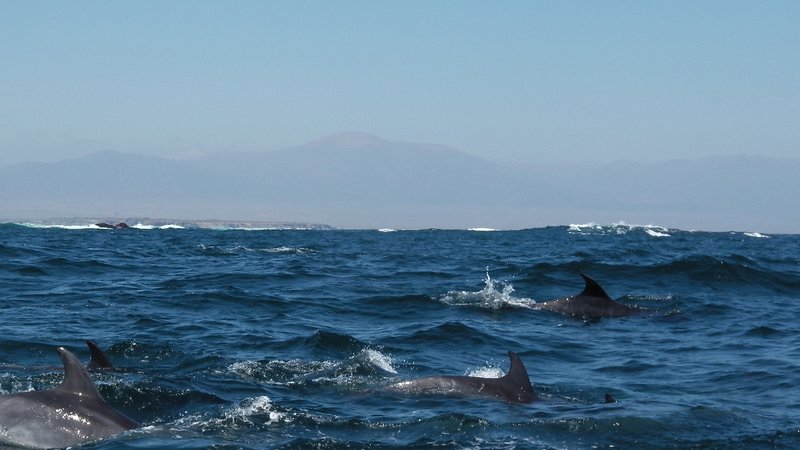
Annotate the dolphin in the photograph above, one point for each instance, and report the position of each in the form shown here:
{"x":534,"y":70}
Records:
{"x":99,"y":359}
{"x":513,"y":387}
{"x":592,"y":303}
{"x":70,"y":414}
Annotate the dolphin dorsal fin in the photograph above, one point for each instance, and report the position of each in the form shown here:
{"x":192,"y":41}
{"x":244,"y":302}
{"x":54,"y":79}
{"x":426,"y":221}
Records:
{"x":76,"y":378}
{"x":592,"y":289}
{"x":99,"y":358}
{"x":518,"y":376}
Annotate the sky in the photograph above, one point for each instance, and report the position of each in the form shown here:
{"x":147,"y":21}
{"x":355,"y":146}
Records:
{"x":527,"y":82}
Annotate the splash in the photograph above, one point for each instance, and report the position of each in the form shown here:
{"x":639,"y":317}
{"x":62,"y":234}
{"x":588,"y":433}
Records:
{"x":381,"y":361}
{"x":250,"y":412}
{"x":363,"y":365}
{"x":489,"y":371}
{"x":245,"y":411}
{"x":494,"y":295}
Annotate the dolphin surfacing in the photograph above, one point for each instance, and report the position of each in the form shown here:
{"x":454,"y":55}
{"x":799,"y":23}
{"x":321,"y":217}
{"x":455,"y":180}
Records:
{"x":592,"y":303}
{"x":72,"y":413}
{"x":99,"y":358}
{"x":513,"y":387}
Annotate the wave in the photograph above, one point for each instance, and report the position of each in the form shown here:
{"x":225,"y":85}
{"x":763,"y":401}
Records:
{"x":240,"y":249}
{"x":589,"y":228}
{"x":361,"y":367}
{"x":247,"y":413}
{"x":620,"y":228}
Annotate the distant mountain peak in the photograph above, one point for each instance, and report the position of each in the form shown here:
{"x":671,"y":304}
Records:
{"x":357,"y":141}
{"x":353,"y":139}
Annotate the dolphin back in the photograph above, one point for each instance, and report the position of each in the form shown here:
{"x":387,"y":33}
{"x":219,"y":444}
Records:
{"x":516,"y":383}
{"x":592,"y":289}
{"x":76,"y":378}
{"x":513,"y":387}
{"x":70,"y":414}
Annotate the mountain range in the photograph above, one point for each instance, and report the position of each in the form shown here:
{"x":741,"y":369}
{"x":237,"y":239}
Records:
{"x":354,"y":180}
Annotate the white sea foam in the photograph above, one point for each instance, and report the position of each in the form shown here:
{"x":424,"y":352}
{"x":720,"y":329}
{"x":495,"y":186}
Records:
{"x":387,"y":230}
{"x":756,"y":235}
{"x":482,"y":229}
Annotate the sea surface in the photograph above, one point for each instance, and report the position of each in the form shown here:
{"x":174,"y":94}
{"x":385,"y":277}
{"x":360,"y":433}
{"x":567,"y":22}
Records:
{"x":270,"y":338}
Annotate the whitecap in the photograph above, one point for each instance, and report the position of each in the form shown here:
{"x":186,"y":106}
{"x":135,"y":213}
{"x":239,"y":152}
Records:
{"x":283,"y":249}
{"x":61,"y":226}
{"x":584,"y":228}
{"x":757,"y":235}
{"x":620,"y":228}
{"x":656,"y":233}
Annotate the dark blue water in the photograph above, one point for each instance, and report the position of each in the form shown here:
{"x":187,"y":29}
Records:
{"x":283,"y":339}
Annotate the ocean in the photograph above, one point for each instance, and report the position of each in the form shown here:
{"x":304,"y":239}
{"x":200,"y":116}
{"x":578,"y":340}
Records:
{"x":286,"y":338}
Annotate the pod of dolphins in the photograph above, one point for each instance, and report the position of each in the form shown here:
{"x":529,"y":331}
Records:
{"x":75,"y":413}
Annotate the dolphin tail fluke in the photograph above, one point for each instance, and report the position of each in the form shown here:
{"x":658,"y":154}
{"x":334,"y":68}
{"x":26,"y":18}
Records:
{"x":76,"y":378}
{"x":592,"y":289}
{"x":517,"y":377}
{"x":99,"y":358}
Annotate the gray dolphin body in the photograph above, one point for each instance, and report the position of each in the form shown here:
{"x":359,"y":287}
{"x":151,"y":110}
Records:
{"x":592,"y":303}
{"x":513,"y":387}
{"x":72,"y":413}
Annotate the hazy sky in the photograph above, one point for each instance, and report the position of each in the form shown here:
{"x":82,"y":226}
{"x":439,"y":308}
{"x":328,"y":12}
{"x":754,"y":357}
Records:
{"x":537,"y":82}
